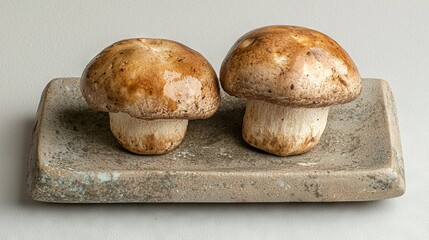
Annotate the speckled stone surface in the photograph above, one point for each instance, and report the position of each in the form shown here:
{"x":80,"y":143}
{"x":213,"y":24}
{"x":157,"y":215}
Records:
{"x":75,"y":159}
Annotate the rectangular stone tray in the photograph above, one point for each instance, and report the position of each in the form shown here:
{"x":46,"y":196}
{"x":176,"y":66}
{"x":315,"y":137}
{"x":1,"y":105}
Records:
{"x":74,"y":157}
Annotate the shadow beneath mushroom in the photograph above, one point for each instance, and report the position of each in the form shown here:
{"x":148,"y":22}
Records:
{"x":226,"y":124}
{"x":93,"y":126}
{"x":87,"y":124}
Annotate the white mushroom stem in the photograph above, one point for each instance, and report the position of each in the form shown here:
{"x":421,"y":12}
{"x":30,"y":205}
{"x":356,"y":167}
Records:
{"x":283,"y":130}
{"x":147,"y":136}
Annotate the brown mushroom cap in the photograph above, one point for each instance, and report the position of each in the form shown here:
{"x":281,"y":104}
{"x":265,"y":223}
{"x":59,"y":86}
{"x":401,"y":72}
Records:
{"x":290,"y":66}
{"x":151,"y":79}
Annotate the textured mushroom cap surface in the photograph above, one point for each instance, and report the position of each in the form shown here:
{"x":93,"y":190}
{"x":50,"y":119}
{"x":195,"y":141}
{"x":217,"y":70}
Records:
{"x":151,"y":79}
{"x":290,"y":66}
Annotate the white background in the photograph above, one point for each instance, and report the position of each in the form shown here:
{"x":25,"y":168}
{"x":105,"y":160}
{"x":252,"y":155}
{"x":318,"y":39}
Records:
{"x":41,"y":40}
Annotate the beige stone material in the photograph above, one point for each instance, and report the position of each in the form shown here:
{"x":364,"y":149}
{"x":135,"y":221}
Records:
{"x":281,"y":68}
{"x":150,"y":79}
{"x":74,"y":158}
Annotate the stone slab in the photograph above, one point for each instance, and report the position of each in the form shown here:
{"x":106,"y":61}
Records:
{"x":75,"y":159}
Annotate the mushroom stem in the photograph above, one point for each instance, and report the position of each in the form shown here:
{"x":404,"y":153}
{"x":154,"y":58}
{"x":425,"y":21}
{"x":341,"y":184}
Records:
{"x":147,"y":136}
{"x":283,"y":130}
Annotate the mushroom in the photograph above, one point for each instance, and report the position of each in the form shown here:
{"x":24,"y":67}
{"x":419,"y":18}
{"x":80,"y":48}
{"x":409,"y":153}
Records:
{"x":151,"y":88}
{"x":290,"y":76}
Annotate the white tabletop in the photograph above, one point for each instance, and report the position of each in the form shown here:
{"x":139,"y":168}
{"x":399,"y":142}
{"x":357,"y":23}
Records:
{"x":42,"y":40}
